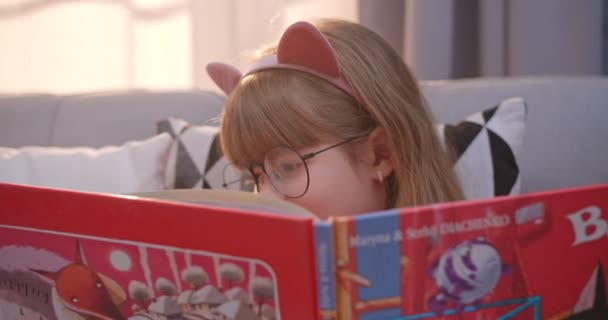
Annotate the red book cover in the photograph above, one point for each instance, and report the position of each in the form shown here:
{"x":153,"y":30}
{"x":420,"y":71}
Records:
{"x":71,"y":255}
{"x":535,"y":256}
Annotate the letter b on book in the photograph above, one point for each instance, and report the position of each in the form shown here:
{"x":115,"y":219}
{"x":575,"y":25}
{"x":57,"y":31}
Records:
{"x":588,"y":225}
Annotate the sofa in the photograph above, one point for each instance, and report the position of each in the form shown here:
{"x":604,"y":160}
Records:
{"x":565,"y":144}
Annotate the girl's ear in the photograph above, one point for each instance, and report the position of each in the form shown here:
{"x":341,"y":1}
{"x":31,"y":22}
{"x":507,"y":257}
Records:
{"x":380,"y":153}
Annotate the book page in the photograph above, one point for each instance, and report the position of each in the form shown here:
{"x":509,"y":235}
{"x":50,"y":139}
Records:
{"x":230,"y":199}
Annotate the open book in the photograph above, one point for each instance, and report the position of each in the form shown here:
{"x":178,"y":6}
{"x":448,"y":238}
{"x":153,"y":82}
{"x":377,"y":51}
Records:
{"x":226,"y":255}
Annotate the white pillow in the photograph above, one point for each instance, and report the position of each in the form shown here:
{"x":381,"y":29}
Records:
{"x":136,"y":166}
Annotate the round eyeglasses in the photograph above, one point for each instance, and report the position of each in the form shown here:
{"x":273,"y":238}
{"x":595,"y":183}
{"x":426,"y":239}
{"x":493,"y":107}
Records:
{"x":283,"y":166}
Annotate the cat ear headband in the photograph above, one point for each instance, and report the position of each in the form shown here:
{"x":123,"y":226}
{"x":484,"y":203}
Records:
{"x":302,"y":47}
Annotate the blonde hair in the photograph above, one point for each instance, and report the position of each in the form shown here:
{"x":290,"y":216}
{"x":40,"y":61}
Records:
{"x":290,"y":107}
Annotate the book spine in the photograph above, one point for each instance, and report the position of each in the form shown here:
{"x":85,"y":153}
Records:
{"x":326,"y":282}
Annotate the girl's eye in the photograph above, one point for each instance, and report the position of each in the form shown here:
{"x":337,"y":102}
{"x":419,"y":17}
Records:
{"x":290,"y":167}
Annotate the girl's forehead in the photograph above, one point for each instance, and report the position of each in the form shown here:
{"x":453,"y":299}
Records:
{"x":258,"y":117}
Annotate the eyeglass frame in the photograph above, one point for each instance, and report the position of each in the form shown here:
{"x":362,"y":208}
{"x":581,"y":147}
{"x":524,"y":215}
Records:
{"x":304,"y":158}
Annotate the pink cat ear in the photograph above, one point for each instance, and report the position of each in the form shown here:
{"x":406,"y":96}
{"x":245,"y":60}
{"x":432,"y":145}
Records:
{"x":304,"y":45}
{"x":225,"y":76}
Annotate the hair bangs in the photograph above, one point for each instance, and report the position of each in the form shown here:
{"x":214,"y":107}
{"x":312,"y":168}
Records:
{"x":267,"y":109}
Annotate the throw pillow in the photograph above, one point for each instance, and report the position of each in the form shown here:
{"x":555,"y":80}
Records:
{"x":195,"y":159}
{"x":486,"y":148}
{"x":136,"y":166}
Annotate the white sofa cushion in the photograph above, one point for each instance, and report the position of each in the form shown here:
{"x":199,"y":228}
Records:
{"x":136,"y":166}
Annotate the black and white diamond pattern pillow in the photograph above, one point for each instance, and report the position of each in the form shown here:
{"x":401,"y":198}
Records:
{"x":195,"y":159}
{"x":486,"y":146}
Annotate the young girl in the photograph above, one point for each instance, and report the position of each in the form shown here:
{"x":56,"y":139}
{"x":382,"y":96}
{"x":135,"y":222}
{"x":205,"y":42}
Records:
{"x":333,"y":120}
